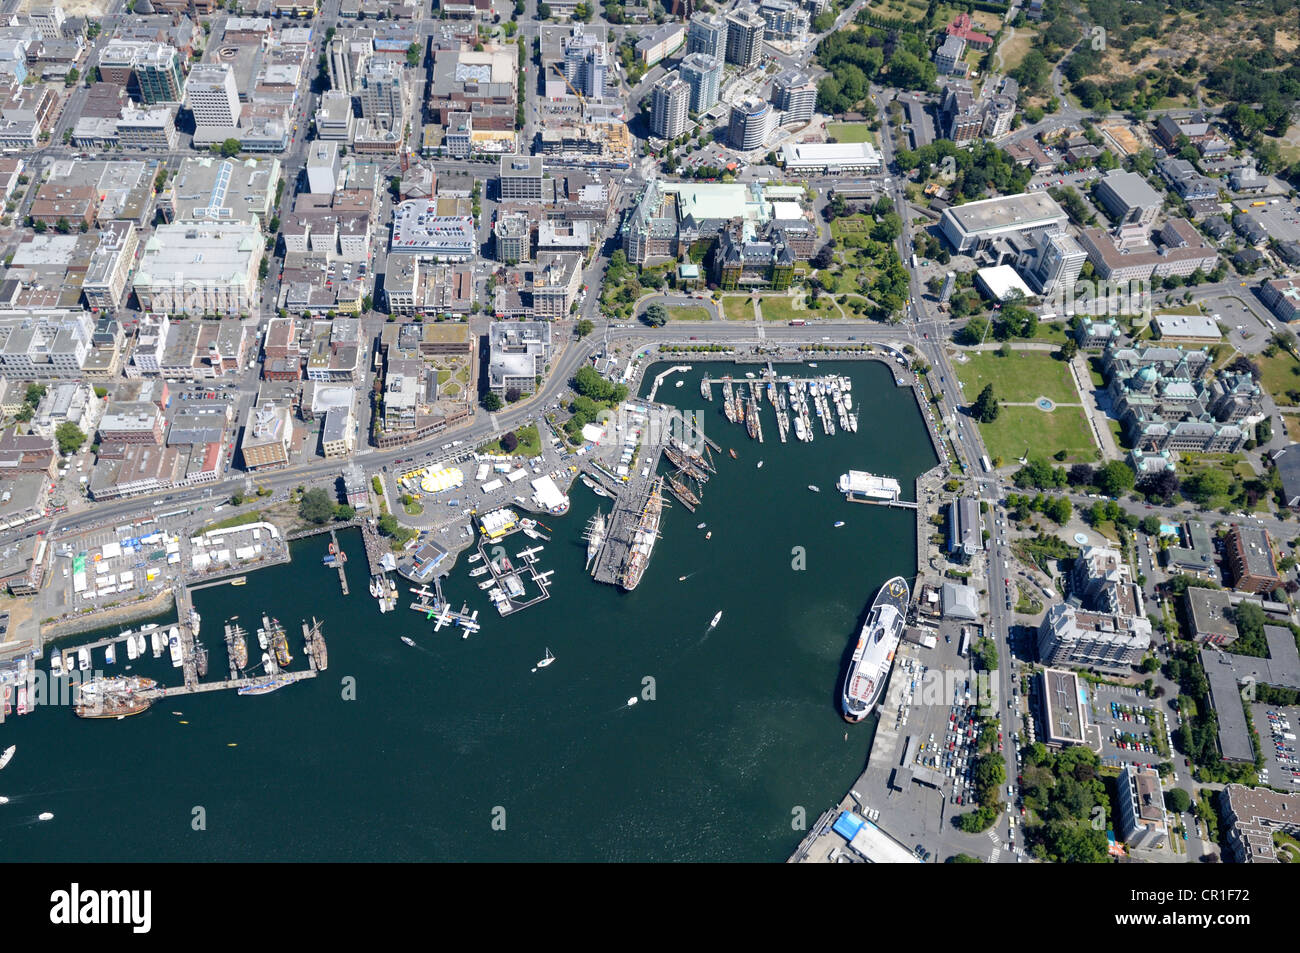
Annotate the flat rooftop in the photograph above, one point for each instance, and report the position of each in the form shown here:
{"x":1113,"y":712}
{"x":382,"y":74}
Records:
{"x":1019,"y":211}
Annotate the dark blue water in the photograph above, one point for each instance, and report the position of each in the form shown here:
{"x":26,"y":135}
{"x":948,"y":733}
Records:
{"x":424,"y":753}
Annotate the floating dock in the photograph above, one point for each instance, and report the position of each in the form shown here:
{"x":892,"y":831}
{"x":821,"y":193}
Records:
{"x":336,"y":558}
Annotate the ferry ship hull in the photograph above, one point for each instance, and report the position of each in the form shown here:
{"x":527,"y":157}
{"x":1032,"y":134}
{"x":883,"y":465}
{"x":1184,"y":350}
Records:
{"x":864,"y":683}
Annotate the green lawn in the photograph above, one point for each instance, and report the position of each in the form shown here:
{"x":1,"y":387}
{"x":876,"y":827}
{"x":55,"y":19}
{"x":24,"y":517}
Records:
{"x":1054,"y":332}
{"x":737,"y":308}
{"x":530,"y":443}
{"x":692,"y":313}
{"x":850,"y":132}
{"x":1191,"y":309}
{"x":780,"y":309}
{"x":242,"y":519}
{"x":1020,"y":377}
{"x":1018,"y":429}
{"x":1280,"y":373}
{"x":1292,"y":426}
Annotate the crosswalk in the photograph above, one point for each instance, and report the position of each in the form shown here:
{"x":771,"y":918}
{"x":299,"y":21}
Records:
{"x":997,"y":848}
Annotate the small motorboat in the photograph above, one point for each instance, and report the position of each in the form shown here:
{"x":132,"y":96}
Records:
{"x":110,"y":656}
{"x":408,"y":641}
{"x":631,"y":701}
{"x":733,"y":454}
{"x":716,"y":619}
{"x":812,"y":363}
{"x":760,"y":465}
{"x":45,"y":816}
{"x":679,"y":383}
{"x":3,"y":800}
{"x":701,"y":525}
{"x":839,"y":523}
{"x":709,"y":534}
{"x":8,"y":755}
{"x":815,"y":489}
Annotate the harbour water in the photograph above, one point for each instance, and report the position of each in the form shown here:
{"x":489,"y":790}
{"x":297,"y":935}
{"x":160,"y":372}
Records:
{"x":426,"y":752}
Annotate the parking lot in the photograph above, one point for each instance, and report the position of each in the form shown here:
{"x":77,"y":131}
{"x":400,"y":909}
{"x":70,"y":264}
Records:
{"x":1277,"y":739}
{"x":1133,"y":728}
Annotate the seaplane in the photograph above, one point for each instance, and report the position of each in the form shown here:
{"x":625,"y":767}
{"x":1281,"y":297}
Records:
{"x":529,"y":554}
{"x":544,"y":579}
{"x":444,"y":618}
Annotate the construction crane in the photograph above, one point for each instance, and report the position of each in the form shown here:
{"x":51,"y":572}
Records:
{"x":572,"y":88}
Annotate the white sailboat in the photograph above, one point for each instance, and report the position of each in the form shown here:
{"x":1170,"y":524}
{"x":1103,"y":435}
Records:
{"x":545,"y":661}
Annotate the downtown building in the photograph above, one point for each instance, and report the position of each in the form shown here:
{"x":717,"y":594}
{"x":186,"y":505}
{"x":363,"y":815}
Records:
{"x":1103,"y":623}
{"x":669,"y":107}
{"x":744,"y":38}
{"x":794,"y":94}
{"x":702,"y":74}
{"x":707,"y":34}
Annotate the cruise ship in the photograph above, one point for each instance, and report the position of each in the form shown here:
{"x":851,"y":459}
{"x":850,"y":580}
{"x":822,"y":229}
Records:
{"x":643,"y":538}
{"x":865,"y":681}
{"x":859,"y":486}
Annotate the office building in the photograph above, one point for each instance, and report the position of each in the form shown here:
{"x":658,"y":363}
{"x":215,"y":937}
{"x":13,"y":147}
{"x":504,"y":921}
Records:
{"x":212,"y":96}
{"x":518,"y":353}
{"x":1248,"y":559}
{"x":586,"y":62}
{"x":976,"y":224}
{"x":1253,"y":816}
{"x":382,"y":99}
{"x":1128,"y":199}
{"x":267,"y":436}
{"x":322,"y":167}
{"x":668,"y":113}
{"x":1141,"y":808}
{"x":520,"y":179}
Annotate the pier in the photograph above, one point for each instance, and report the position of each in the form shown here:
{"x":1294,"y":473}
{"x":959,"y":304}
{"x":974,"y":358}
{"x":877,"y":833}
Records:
{"x":154,"y":694}
{"x":503,"y":573}
{"x":664,"y":375}
{"x":339,"y":559}
{"x":621,"y":524}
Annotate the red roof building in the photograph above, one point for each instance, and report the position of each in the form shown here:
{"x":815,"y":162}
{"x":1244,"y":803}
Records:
{"x":964,"y":27}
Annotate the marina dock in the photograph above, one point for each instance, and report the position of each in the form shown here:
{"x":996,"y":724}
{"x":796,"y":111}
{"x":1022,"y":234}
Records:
{"x":339,"y":558}
{"x":622,"y":522}
{"x":154,"y":694}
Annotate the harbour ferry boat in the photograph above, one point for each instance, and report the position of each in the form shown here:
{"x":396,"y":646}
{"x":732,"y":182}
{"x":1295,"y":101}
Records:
{"x":865,"y":681}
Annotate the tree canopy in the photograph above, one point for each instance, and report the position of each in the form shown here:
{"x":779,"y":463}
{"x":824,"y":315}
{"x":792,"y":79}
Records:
{"x":316,"y":506}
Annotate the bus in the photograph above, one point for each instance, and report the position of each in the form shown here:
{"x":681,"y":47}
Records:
{"x":964,"y":649}
{"x":798,"y":323}
{"x":987,"y":464}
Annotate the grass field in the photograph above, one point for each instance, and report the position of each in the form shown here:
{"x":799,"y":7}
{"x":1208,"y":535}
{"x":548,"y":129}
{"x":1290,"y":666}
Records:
{"x":242,"y":519}
{"x":530,"y":443}
{"x":1014,"y":49}
{"x":899,"y":9}
{"x":692,"y":313}
{"x":1019,"y":378}
{"x":1192,"y":309}
{"x":737,"y":308}
{"x":1292,"y":426}
{"x":780,"y":309}
{"x":1279,"y":373}
{"x":850,"y":132}
{"x":1021,"y":428}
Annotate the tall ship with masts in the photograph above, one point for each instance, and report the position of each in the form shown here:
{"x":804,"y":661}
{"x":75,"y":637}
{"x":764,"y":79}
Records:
{"x":643,"y":538}
{"x":864,"y":684}
{"x":595,"y":537}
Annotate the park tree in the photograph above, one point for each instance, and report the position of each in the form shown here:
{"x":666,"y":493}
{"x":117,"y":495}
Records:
{"x":69,"y":437}
{"x":316,"y":506}
{"x":656,"y":315}
{"x":1115,"y":478}
{"x":1178,"y":800}
{"x":584,"y":327}
{"x":492,"y":402}
{"x":509,"y":442}
{"x":985,"y":408}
